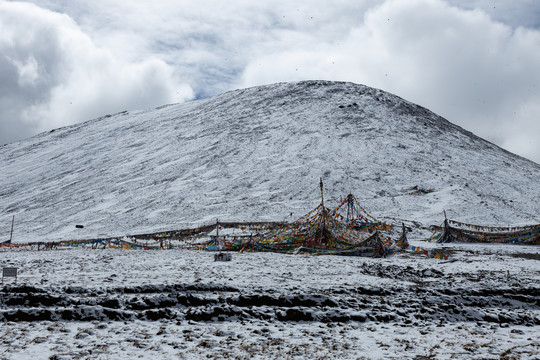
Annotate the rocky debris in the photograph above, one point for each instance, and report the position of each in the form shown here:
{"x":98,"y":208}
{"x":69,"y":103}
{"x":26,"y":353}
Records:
{"x":412,"y":305}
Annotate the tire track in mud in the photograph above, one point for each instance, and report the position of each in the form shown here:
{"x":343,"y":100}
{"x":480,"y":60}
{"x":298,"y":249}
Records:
{"x":414,"y":305}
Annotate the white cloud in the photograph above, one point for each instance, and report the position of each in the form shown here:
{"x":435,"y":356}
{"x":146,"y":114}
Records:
{"x":53,"y":74}
{"x":210,"y":42}
{"x":27,"y":71}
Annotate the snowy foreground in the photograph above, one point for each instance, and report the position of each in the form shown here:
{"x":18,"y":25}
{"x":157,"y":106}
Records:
{"x":110,"y":304}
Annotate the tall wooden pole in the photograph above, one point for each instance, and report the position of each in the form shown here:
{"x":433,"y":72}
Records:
{"x":322,"y":193}
{"x":446,"y":229}
{"x":11,"y":235}
{"x":350,"y":209}
{"x":323,"y":208}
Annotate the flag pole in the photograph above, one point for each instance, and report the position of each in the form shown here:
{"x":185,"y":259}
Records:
{"x":322,"y":193}
{"x":323,"y":209}
{"x":11,"y":235}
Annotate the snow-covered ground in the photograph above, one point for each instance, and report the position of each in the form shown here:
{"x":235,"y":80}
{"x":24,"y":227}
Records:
{"x":257,"y":155}
{"x":174,"y":304}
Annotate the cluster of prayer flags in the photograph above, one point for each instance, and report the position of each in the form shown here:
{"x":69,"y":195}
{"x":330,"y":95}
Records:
{"x":429,"y":253}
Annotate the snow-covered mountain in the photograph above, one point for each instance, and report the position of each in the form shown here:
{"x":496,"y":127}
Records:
{"x":258,"y":154}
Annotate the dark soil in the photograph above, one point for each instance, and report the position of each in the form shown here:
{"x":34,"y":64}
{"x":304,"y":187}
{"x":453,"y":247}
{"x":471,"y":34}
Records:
{"x":431,"y":300}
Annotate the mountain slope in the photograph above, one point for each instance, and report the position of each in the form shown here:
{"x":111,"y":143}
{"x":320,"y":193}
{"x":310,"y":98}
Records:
{"x":257,"y":154}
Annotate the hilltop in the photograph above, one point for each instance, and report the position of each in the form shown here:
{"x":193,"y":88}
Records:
{"x":257,"y":154}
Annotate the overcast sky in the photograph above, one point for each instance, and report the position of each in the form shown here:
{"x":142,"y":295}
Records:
{"x":475,"y":62}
